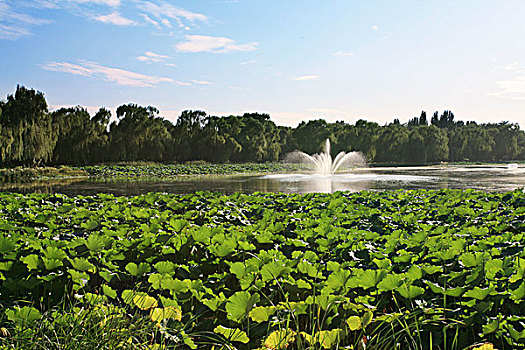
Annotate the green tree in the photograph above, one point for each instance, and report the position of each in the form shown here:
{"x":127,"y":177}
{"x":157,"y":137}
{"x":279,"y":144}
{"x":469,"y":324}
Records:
{"x":28,"y":137}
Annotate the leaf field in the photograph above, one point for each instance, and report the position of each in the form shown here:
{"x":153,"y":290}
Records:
{"x":377,"y":270}
{"x":158,"y":170}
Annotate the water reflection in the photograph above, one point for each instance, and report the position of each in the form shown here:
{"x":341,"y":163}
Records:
{"x":486,"y":178}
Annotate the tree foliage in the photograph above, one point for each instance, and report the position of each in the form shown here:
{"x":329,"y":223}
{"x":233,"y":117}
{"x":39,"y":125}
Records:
{"x":30,"y":135}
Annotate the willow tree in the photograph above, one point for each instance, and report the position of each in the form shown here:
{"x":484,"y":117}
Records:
{"x":28,"y":136}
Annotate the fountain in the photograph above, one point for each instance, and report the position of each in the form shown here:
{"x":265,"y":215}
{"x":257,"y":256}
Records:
{"x":323,"y":163}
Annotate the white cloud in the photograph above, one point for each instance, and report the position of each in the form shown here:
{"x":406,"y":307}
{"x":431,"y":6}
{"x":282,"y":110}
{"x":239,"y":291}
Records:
{"x":202,"y":82}
{"x":166,"y":22}
{"x":237,"y":88}
{"x":513,"y":85}
{"x":248,"y":62}
{"x":343,"y":53}
{"x":14,"y":24}
{"x":170,"y":64}
{"x":375,"y":27}
{"x":183,"y":83}
{"x":147,"y":19}
{"x":150,"y":57}
{"x":307,"y":77}
{"x":116,"y":19}
{"x":112,"y":3}
{"x":203,"y":43}
{"x":12,"y":32}
{"x":119,"y":76}
{"x":164,"y":11}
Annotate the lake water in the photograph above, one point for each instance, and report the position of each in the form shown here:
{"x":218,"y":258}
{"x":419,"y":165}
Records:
{"x":486,"y":178}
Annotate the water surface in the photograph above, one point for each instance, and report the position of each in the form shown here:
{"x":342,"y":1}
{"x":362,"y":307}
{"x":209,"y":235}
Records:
{"x":486,"y":178}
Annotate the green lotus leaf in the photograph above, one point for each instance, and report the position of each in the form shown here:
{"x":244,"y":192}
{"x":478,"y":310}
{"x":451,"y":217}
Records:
{"x":166,"y":313}
{"x":32,"y":261}
{"x":480,"y":293}
{"x":296,"y":308}
{"x":518,"y":293}
{"x":155,"y":279}
{"x":455,"y":292}
{"x":490,"y":327}
{"x":89,"y":225}
{"x":138,"y":270}
{"x":303,"y":284}
{"x":176,"y":286}
{"x":409,"y":291}
{"x":492,"y":267}
{"x":223,"y":249}
{"x":240,"y":304}
{"x":80,"y":278}
{"x":144,"y":302}
{"x":307,"y":268}
{"x":338,"y":279}
{"x":262,"y":313}
{"x":108,"y":291}
{"x":273,"y":271}
{"x":24,"y":315}
{"x":354,"y":323}
{"x":280,"y":339}
{"x":51,"y":264}
{"x":232,"y":334}
{"x":178,"y":225}
{"x":471,"y":259}
{"x":82,"y":264}
{"x":327,"y":339}
{"x":432,"y":269}
{"x":165,"y":267}
{"x":95,"y":243}
{"x":370,"y":278}
{"x":106,"y":275}
{"x":6,"y":245}
{"x":414,"y":273}
{"x":6,"y":266}
{"x":518,"y":336}
{"x":390,"y":282}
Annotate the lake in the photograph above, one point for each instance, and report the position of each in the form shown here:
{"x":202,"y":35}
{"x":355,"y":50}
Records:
{"x":497,"y":178}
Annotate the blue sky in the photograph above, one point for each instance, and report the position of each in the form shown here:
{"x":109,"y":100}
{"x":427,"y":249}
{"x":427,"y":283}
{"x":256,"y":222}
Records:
{"x":295,"y":59}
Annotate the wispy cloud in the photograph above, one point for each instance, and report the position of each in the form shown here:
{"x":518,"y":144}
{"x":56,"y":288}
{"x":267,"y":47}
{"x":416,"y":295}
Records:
{"x":14,"y":24}
{"x":343,"y":53}
{"x":163,"y":12}
{"x":203,"y":43}
{"x":202,"y":82}
{"x":307,"y":77}
{"x":237,"y":88}
{"x":150,"y":57}
{"x":513,"y":85}
{"x":111,"y":3}
{"x":375,"y":27}
{"x":116,"y":19}
{"x":183,"y":83}
{"x":248,"y":62}
{"x":148,"y":20}
{"x":118,"y":76}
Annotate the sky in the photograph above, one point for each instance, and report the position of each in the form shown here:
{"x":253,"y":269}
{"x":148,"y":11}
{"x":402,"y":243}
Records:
{"x":295,"y":59}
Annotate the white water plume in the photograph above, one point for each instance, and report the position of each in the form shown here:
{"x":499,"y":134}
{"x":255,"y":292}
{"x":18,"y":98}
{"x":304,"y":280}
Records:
{"x":323,"y":163}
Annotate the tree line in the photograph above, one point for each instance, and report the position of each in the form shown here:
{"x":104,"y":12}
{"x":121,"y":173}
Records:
{"x":31,"y":135}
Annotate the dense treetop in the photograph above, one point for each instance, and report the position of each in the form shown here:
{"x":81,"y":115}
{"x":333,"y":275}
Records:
{"x":31,"y":135}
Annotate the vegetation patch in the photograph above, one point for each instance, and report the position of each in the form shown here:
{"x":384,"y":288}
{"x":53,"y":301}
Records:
{"x":395,"y":270}
{"x":174,"y":170}
{"x":22,"y":174}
